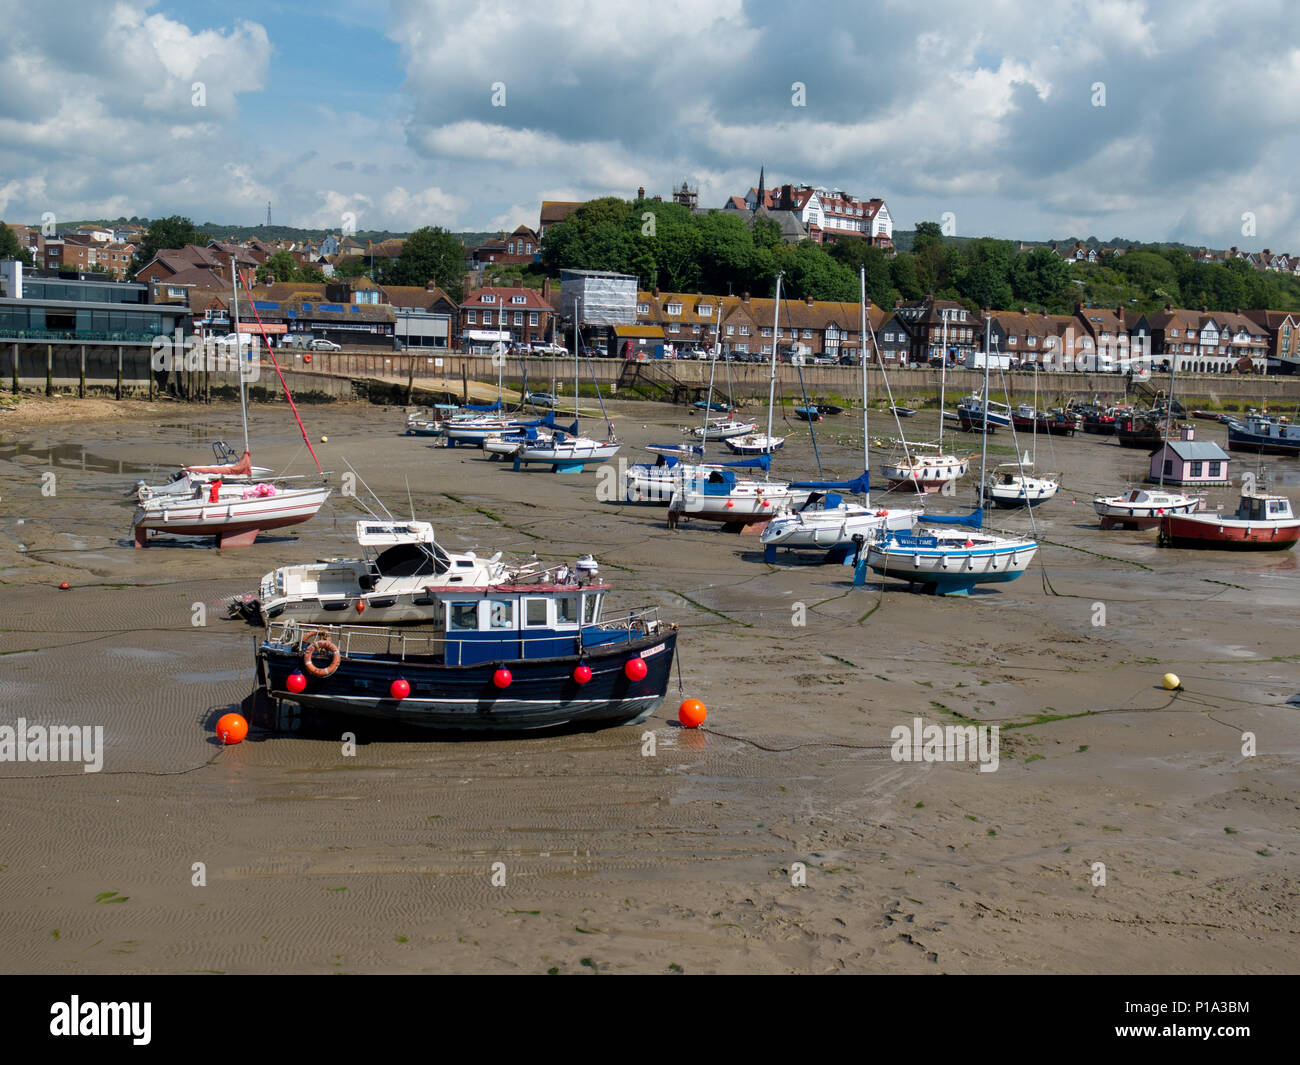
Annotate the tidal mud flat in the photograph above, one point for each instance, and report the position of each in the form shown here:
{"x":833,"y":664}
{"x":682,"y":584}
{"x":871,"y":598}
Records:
{"x":580,"y":852}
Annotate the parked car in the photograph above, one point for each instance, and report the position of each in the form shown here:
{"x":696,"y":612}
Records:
{"x":542,"y":399}
{"x":823,"y":360}
{"x":321,"y":344}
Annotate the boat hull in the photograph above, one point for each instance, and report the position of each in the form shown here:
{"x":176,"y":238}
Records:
{"x":1204,"y":531}
{"x":1241,"y":440}
{"x":234,"y":522}
{"x":952,"y":572}
{"x":542,"y":692}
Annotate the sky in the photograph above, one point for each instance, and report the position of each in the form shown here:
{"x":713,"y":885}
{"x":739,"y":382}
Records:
{"x":1155,"y":120}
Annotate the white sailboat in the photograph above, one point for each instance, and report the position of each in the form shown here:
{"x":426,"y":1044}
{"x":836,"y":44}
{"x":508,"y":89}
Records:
{"x":945,"y":561}
{"x":569,"y":452}
{"x":233,"y":511}
{"x":720,"y":494}
{"x":1009,"y":489}
{"x":828,"y":520}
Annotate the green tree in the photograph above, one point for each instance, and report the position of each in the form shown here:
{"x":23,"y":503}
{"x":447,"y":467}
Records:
{"x":1041,"y":277}
{"x":430,"y":254}
{"x":172,"y":232}
{"x":927,"y":235}
{"x":902,"y":273}
{"x":858,"y":254}
{"x":279,"y":267}
{"x":10,"y":248}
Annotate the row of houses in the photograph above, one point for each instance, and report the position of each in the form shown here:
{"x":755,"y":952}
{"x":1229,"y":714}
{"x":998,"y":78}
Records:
{"x":921,"y":331}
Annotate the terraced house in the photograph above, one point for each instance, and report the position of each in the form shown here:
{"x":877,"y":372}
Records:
{"x":1201,"y":341}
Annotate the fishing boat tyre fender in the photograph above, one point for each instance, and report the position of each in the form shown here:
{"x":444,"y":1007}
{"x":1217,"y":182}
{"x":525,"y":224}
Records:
{"x":319,"y":643}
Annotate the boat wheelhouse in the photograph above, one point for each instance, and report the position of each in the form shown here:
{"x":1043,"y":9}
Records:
{"x":537,"y":652}
{"x":386,"y":586}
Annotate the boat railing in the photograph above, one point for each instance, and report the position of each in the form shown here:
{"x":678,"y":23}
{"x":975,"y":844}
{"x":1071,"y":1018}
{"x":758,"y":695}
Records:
{"x":401,"y":641}
{"x":632,"y":626}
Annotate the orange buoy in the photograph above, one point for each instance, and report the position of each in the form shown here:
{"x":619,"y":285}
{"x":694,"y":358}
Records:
{"x":399,"y":689}
{"x":307,"y":359}
{"x":296,"y":682}
{"x":692,"y":713}
{"x":582,"y":674}
{"x":64,"y":586}
{"x":502,"y":678}
{"x":232,"y":728}
{"x":635,"y":669}
{"x":361,"y":605}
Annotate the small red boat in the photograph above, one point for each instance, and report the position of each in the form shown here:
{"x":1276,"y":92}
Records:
{"x":1260,"y":523}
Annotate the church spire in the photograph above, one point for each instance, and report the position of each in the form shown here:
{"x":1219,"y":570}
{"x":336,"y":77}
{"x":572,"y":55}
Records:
{"x":761,"y":202}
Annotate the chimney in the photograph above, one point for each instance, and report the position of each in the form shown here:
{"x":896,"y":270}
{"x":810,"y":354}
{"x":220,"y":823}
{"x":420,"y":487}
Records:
{"x":640,"y":193}
{"x":1024,"y":310}
{"x":1204,"y":309}
{"x":546,"y":289}
{"x":744,"y":297}
{"x":1078,"y":308}
{"x":1189,"y":432}
{"x":808,"y":300}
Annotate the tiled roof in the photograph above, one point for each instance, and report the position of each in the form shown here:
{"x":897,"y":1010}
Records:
{"x":558,"y":210}
{"x":534,"y":301}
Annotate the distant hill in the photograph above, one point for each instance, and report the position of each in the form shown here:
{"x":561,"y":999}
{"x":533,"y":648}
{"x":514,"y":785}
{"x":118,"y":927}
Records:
{"x":220,"y":231}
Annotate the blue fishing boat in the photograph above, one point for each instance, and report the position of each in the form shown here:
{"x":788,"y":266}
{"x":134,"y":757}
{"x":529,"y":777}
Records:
{"x":537,"y":652}
{"x":808,"y":414}
{"x":1264,"y":435}
{"x":700,"y":404}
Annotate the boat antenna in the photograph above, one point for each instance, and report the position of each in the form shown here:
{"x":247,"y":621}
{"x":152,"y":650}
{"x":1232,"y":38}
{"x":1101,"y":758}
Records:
{"x":239,"y":348}
{"x":771,"y":383}
{"x":409,"y":500}
{"x":370,"y":490}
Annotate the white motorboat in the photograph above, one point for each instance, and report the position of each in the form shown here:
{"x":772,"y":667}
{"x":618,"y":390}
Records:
{"x":1014,"y":488}
{"x":1142,"y":508}
{"x":713,"y":494}
{"x":564,"y":450}
{"x":754,"y":444}
{"x":950,"y":562}
{"x":723,"y":429}
{"x":830,"y":520}
{"x":387,"y":586}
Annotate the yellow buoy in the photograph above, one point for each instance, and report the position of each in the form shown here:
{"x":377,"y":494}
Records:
{"x":1171,"y":682}
{"x":324,"y":439}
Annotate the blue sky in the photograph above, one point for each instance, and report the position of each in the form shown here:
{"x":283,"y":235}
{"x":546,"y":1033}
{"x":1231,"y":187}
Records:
{"x":383,"y":113}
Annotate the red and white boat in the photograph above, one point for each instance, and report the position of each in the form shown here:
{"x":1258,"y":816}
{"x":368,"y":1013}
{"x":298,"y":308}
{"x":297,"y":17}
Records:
{"x":1260,"y":523}
{"x":233,"y":513}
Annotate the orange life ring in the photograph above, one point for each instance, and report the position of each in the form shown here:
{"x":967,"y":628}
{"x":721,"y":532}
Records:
{"x":318,"y":642}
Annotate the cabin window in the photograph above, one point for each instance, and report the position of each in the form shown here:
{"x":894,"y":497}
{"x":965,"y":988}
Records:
{"x":534,"y":612}
{"x":588,"y":609}
{"x":501,"y":613}
{"x":463,"y":616}
{"x":566,"y":610}
{"x":1215,"y":468}
{"x":1197,"y":468}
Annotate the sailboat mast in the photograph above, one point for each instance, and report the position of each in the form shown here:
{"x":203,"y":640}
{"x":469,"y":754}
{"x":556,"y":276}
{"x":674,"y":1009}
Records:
{"x":239,"y":347}
{"x":862,"y":347}
{"x":771,"y":384}
{"x":577,"y":343}
{"x":984,"y":449}
{"x":708,"y":403}
{"x":943,"y":381}
{"x":1169,"y":412}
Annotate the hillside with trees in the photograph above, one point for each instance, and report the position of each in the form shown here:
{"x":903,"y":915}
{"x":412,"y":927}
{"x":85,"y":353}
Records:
{"x":719,"y":253}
